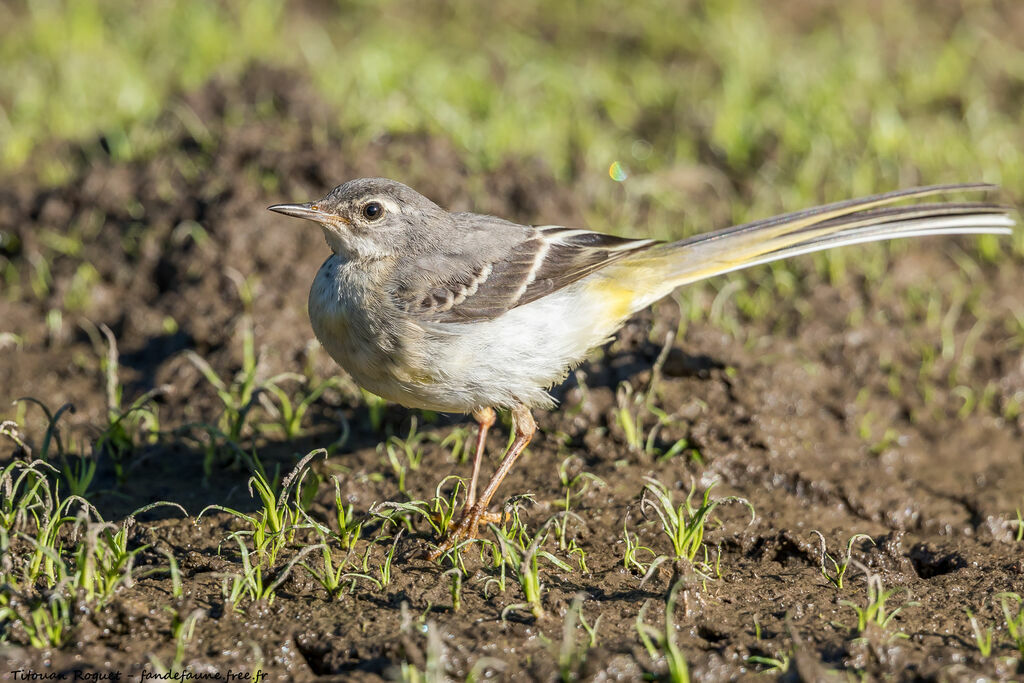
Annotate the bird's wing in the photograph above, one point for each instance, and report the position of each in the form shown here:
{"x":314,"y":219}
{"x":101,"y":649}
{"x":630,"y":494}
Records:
{"x":502,"y":266}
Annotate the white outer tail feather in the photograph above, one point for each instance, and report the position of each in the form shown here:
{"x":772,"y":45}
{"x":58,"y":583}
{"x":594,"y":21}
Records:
{"x":836,"y":225}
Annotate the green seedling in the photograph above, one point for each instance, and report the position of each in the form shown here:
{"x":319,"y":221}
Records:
{"x":78,"y":471}
{"x":631,"y":557}
{"x":1014,"y":621}
{"x":26,"y":494}
{"x":632,"y":416}
{"x":839,"y":567}
{"x":866,"y":430}
{"x":982,"y":637}
{"x":684,"y":524}
{"x":182,"y":630}
{"x":457,"y":443}
{"x":103,"y":561}
{"x":281,"y":516}
{"x":239,"y":395}
{"x":572,"y":656}
{"x":581,"y":555}
{"x":290,"y":415}
{"x":124,"y":425}
{"x":404,"y":455}
{"x":349,"y":529}
{"x":352,"y":577}
{"x":874,"y":613}
{"x":46,"y":539}
{"x":256,"y":582}
{"x":44,"y":620}
{"x":779,"y":664}
{"x":635,"y":410}
{"x":62,"y":568}
{"x":175,"y":573}
{"x":523,"y":556}
{"x":51,"y":436}
{"x":456,"y":589}
{"x":330,"y":576}
{"x":574,"y":487}
{"x":434,"y":670}
{"x":375,"y":408}
{"x":439,"y":511}
{"x":662,"y":644}
{"x":389,"y":558}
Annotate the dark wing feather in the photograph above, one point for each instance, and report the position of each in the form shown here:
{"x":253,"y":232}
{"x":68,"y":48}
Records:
{"x":485,"y":280}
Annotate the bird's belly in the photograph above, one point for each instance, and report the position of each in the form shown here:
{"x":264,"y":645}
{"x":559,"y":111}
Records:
{"x":515,"y":358}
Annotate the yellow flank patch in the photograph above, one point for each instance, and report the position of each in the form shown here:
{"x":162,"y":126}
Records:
{"x":617,"y":298}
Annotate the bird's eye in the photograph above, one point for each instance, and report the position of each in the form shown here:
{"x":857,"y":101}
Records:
{"x":372,"y":211}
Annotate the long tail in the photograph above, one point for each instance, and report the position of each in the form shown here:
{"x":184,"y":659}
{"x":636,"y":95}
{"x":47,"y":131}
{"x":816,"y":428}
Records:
{"x":869,"y":219}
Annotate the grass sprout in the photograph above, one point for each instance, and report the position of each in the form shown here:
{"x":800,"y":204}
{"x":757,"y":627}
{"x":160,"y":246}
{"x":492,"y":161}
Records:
{"x":574,"y":487}
{"x":78,"y":471}
{"x":874,"y":614}
{"x":58,"y":557}
{"x":1014,"y":619}
{"x":26,"y":494}
{"x":257,"y":582}
{"x":839,"y":567}
{"x":640,"y":419}
{"x":349,"y":528}
{"x":291,"y":413}
{"x":661,"y":644}
{"x":438,"y":512}
{"x":777,"y":664}
{"x":44,"y":621}
{"x":522,"y":555}
{"x":684,"y":523}
{"x":982,"y":636}
{"x":281,"y":516}
{"x":572,"y":655}
{"x":631,"y":557}
{"x":404,"y":455}
{"x":240,"y":394}
{"x":124,"y":425}
{"x":330,"y":577}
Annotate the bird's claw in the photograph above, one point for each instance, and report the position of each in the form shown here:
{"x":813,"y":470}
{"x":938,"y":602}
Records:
{"x":468,"y":527}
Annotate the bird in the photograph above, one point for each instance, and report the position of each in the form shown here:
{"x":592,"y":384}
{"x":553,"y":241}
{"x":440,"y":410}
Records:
{"x":461,"y":312}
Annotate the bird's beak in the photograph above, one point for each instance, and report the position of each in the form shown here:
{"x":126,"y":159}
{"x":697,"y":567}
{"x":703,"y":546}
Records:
{"x":309,"y":211}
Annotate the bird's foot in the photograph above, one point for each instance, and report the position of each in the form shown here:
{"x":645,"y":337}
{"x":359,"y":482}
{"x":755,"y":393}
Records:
{"x":468,"y":527}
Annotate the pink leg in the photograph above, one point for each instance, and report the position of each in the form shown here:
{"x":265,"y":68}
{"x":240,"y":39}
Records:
{"x":485,"y":419}
{"x":467,"y":526}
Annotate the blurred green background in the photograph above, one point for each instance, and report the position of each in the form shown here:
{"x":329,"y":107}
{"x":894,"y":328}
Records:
{"x":798,"y":100}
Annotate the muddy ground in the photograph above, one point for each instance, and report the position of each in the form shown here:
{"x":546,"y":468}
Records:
{"x":819,"y":414}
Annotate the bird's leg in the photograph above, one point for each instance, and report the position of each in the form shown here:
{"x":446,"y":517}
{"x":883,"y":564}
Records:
{"x":525,"y":429}
{"x":467,"y":526}
{"x":485,"y":419}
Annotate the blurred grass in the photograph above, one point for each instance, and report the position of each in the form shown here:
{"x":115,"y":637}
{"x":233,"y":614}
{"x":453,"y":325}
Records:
{"x":794,"y":102}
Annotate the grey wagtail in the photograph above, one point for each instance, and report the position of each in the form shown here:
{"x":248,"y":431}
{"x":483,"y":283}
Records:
{"x":465,"y":313}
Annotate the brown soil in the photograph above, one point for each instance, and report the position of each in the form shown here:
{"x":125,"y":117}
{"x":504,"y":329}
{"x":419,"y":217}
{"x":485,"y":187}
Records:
{"x":786,"y":414}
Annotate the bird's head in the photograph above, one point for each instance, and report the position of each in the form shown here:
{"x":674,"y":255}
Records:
{"x":374,"y":218}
